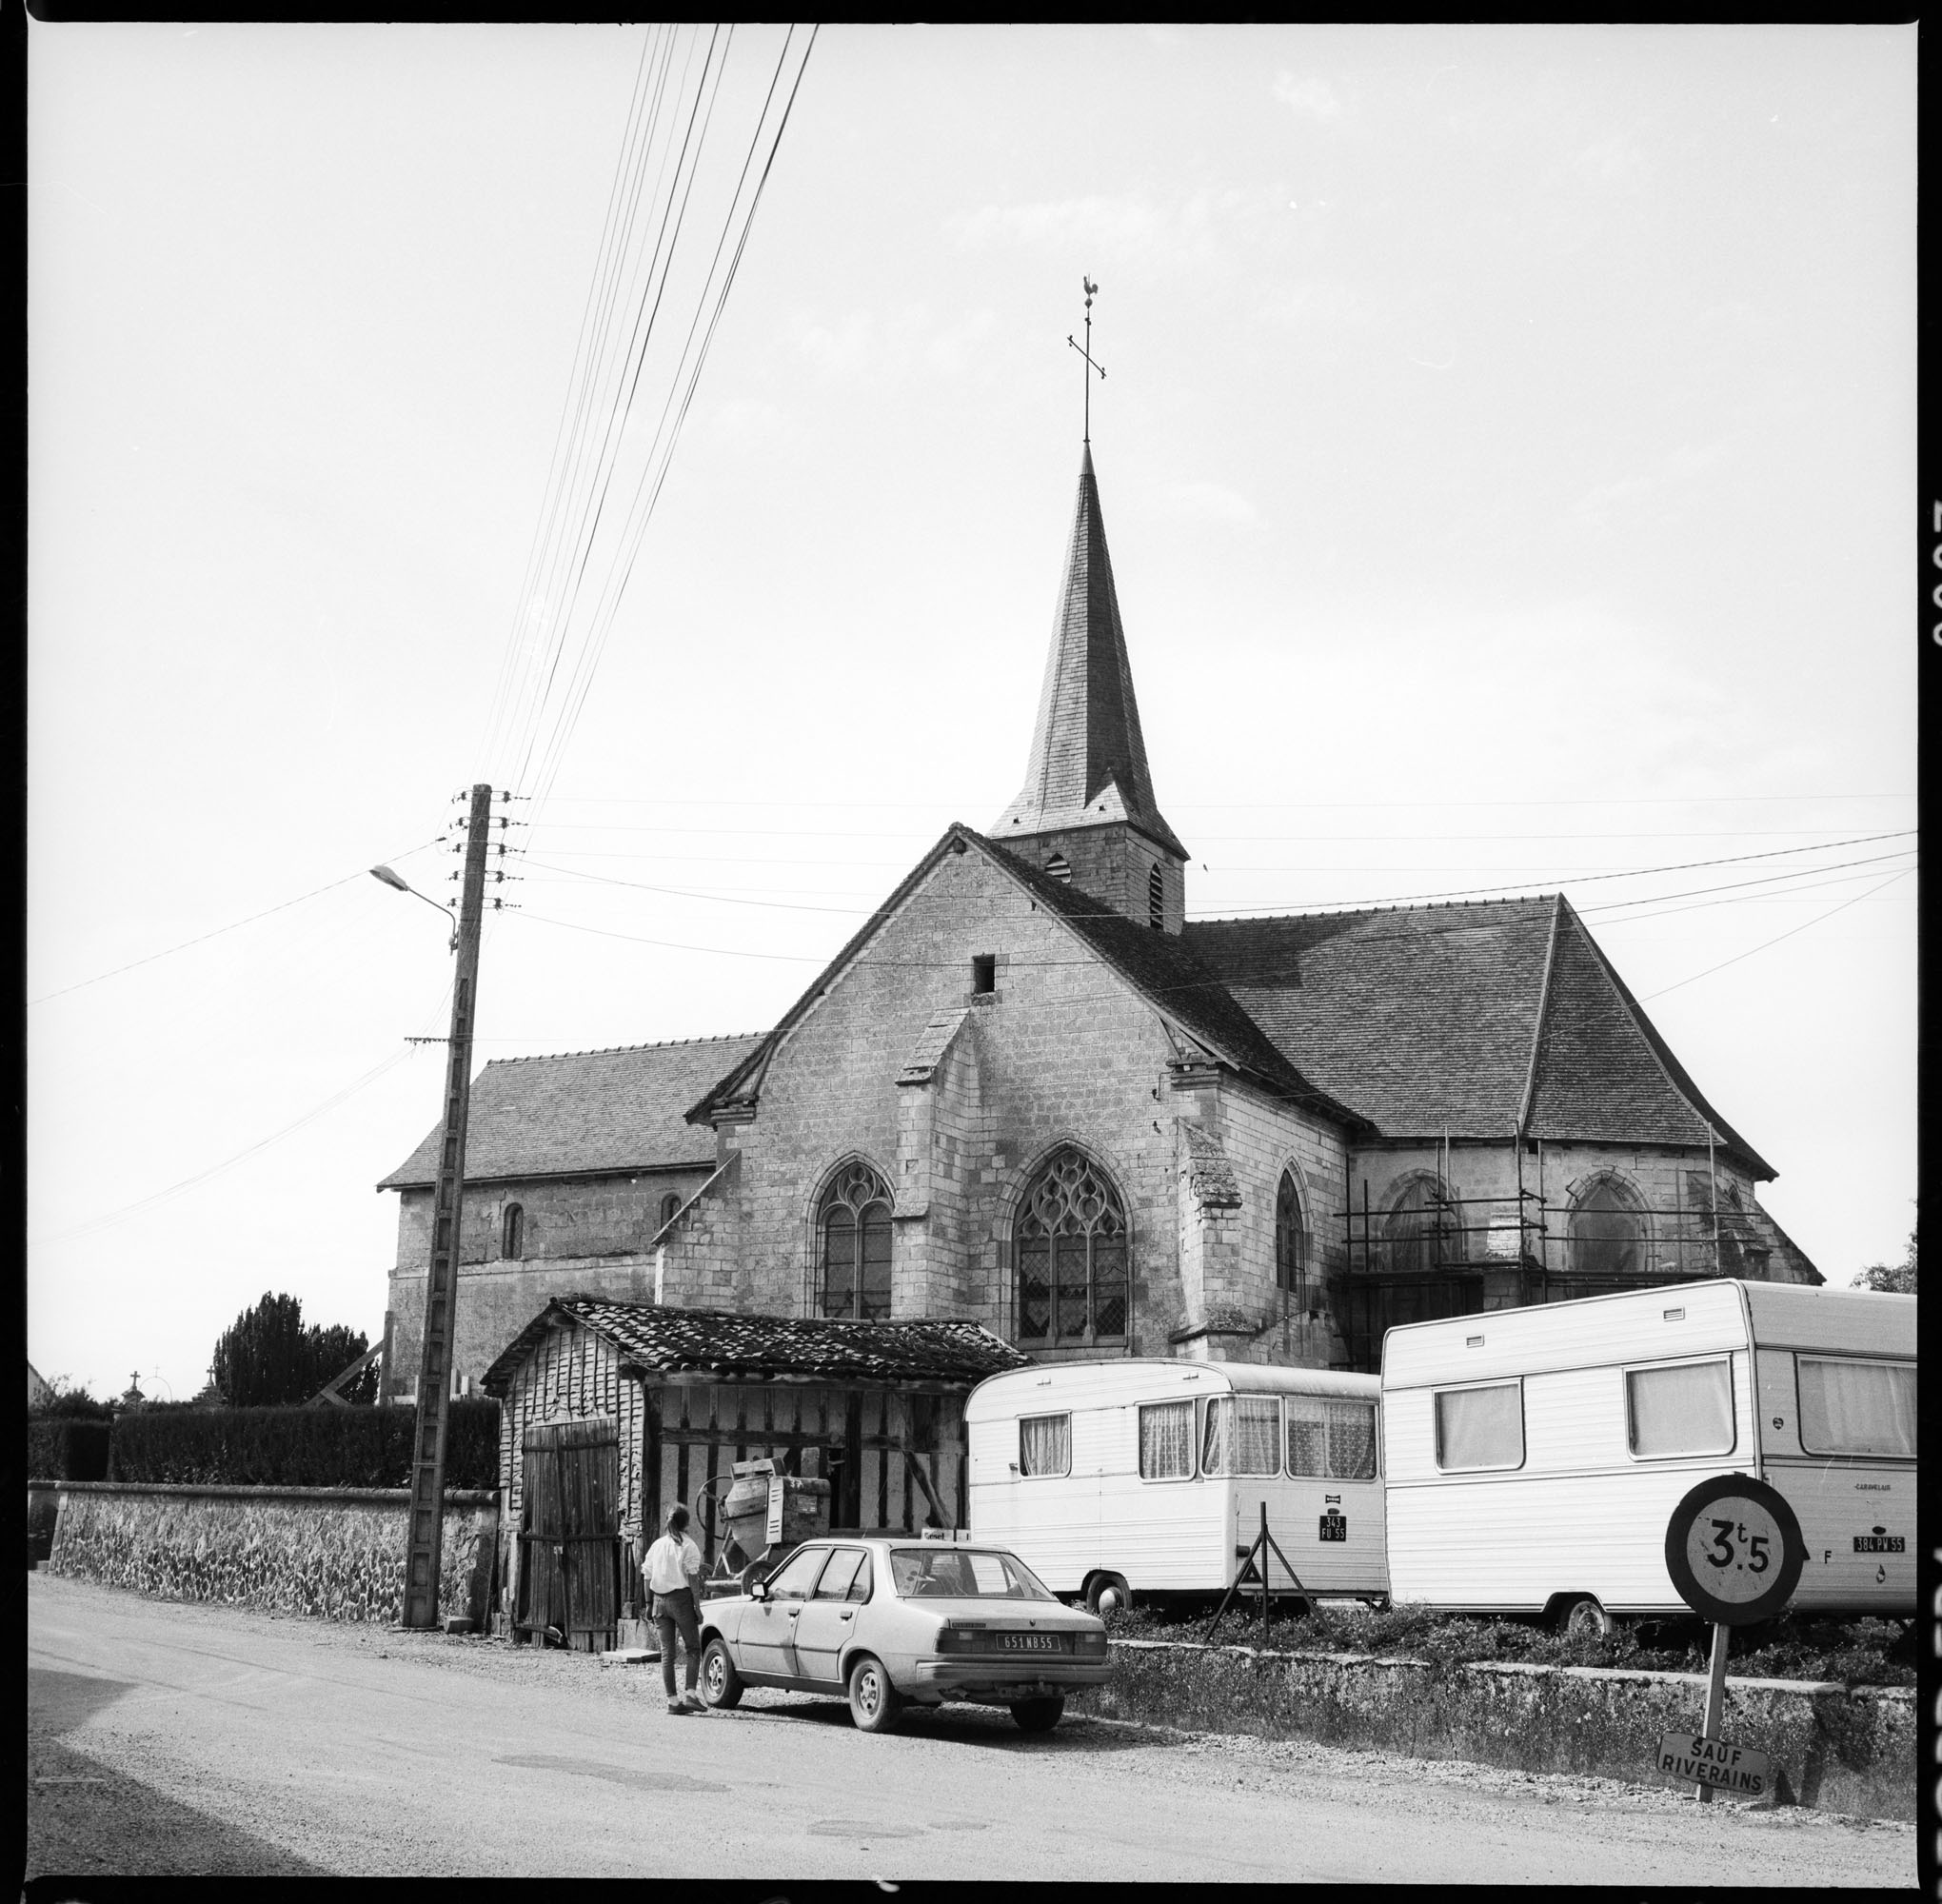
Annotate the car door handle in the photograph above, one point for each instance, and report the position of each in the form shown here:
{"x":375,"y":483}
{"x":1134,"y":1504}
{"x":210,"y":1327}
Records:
{"x":845,"y":1616}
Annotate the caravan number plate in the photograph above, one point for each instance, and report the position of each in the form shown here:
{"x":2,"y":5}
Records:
{"x":1335,"y":1525}
{"x":1029,"y":1642}
{"x":1881,"y":1543}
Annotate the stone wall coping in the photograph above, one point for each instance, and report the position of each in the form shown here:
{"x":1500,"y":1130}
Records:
{"x":319,"y":1497}
{"x":1804,"y":1688}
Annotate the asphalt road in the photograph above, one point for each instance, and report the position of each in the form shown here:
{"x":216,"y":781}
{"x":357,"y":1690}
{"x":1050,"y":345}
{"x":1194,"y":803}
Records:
{"x":209,"y":1740}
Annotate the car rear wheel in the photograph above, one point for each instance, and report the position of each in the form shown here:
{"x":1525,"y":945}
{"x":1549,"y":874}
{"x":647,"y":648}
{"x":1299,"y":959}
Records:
{"x":1037,"y":1715}
{"x":873,"y":1701}
{"x":1581,"y":1616}
{"x":721,"y":1682}
{"x":1107,"y":1592}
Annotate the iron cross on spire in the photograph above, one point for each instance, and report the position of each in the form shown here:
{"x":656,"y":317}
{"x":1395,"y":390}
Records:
{"x":1086,"y":350}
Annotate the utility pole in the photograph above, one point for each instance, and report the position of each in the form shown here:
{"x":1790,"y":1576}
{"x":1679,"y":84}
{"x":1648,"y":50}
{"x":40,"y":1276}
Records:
{"x":426,"y":1527}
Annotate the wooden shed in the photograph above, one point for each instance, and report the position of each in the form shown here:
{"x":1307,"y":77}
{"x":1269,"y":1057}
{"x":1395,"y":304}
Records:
{"x":612,"y":1412}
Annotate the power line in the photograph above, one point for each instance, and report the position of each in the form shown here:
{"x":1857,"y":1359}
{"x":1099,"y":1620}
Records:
{"x":203,"y":938}
{"x":1777,"y":936}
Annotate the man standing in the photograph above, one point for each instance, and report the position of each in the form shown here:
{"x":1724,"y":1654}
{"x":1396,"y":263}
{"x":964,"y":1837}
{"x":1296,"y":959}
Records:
{"x":672,"y":1568}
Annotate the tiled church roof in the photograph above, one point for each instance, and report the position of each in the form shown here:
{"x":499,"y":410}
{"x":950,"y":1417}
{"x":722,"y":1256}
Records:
{"x":1426,"y":1019}
{"x":584,"y":1113}
{"x":716,"y":1341}
{"x":1088,"y":755}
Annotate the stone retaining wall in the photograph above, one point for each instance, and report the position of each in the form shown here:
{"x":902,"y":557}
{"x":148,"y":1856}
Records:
{"x":330,"y":1553}
{"x":1838,"y":1750}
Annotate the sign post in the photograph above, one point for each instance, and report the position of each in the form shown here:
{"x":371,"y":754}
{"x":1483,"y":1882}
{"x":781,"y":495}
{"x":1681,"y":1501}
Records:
{"x":1735,"y":1552}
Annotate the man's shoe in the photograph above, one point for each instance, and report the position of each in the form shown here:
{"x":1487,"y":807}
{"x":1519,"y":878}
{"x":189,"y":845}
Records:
{"x":679,"y":1708}
{"x":694,"y":1701}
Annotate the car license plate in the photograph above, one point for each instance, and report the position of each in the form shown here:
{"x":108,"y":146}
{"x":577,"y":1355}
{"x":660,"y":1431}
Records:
{"x":1881,"y":1543}
{"x":1029,"y":1642}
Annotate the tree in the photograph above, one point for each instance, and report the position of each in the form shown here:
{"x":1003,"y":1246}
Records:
{"x":1893,"y":1279}
{"x":266,"y":1358}
{"x":69,"y":1401}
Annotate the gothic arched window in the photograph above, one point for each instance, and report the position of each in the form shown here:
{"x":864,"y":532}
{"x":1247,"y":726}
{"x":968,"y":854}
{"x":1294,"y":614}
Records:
{"x":1156,"y":901}
{"x":1290,"y":1252}
{"x":669,"y":1204}
{"x":1071,"y":1243}
{"x":1421,"y":1232}
{"x":853,"y":1231}
{"x":1607,"y":1230}
{"x":512,"y":1233}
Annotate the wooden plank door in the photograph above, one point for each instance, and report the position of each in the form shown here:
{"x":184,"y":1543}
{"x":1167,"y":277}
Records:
{"x":571,"y":1519}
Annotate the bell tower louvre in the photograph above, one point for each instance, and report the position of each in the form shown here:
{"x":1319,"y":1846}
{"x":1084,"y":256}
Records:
{"x":1086,"y":813}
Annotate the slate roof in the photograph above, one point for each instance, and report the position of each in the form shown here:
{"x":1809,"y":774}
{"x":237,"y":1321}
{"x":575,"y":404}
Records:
{"x":1428,"y":1018}
{"x":1086,"y":742}
{"x":717,"y":1341}
{"x":584,"y":1113}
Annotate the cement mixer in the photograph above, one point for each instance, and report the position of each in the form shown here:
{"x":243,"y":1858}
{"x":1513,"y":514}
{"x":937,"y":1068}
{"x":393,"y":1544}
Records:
{"x":745,"y":1521}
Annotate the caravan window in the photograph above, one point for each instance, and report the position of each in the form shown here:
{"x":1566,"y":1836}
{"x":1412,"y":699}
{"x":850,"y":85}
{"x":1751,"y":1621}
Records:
{"x":1242,"y":1436}
{"x":1046,"y":1444}
{"x":1850,"y":1407}
{"x":1166,"y":1442}
{"x":1683,"y":1409}
{"x":1334,"y":1440}
{"x":1481,"y":1427}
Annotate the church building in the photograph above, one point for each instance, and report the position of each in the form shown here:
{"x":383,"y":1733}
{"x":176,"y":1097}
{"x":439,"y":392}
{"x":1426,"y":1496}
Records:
{"x":1031,"y":1093}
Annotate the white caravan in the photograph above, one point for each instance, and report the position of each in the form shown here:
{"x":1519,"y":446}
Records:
{"x":1110,"y":1478}
{"x":1533,"y":1455}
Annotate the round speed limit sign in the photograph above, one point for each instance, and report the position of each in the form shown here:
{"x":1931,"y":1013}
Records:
{"x":1734,"y":1550}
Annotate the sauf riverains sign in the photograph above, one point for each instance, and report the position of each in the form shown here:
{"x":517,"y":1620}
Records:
{"x":1689,"y":1758}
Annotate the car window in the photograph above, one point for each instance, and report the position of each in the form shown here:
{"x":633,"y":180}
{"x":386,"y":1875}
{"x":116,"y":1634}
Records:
{"x":859,"y":1587}
{"x":797,"y":1575}
{"x":840,"y":1573}
{"x":968,"y":1574}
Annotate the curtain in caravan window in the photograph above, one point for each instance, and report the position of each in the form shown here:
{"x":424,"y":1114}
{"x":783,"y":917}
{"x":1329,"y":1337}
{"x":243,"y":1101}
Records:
{"x":1481,"y":1427}
{"x":1352,"y":1441}
{"x":1332,"y":1439}
{"x":1166,"y":1442}
{"x":1307,"y":1436}
{"x":1856,"y":1408}
{"x":1242,"y":1434}
{"x":1046,"y":1444}
{"x":1680,"y":1411}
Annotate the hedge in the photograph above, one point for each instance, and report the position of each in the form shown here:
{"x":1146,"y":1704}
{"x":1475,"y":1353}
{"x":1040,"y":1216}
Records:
{"x":62,"y":1448}
{"x":300,"y":1446}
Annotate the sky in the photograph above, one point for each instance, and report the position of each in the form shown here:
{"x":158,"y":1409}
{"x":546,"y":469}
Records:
{"x":1506,"y":449}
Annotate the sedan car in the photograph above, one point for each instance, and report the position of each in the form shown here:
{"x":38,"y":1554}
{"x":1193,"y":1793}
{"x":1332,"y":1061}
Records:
{"x":888,"y":1621}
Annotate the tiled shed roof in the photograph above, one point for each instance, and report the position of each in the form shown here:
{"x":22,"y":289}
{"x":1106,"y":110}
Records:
{"x":584,"y":1113}
{"x":718,"y":1342}
{"x":1426,"y":1019}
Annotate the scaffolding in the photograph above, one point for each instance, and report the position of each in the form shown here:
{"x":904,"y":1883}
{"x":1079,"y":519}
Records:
{"x":1447,"y":1256}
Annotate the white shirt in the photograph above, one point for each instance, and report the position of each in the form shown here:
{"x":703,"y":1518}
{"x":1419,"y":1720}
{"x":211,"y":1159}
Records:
{"x":670,"y":1563}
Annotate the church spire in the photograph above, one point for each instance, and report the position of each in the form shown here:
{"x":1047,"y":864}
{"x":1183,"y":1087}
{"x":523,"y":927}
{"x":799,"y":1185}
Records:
{"x":1088,"y":763}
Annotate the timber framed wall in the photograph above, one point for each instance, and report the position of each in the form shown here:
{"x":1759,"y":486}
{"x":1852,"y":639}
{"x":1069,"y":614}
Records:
{"x":894,"y":1452}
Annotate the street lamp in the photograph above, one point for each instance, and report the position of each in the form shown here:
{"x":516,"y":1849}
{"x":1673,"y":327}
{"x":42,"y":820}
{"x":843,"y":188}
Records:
{"x":393,"y":880}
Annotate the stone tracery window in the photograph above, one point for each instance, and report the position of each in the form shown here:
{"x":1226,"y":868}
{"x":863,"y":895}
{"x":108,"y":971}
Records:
{"x":1071,"y":1247}
{"x":1290,"y":1238}
{"x":1422,"y":1231}
{"x":1607,"y":1230}
{"x":853,"y":1232}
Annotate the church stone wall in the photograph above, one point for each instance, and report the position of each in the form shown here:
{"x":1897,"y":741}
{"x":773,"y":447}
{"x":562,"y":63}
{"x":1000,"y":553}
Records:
{"x":1062,"y":1050}
{"x":588,"y":1237}
{"x":1670,"y":1181}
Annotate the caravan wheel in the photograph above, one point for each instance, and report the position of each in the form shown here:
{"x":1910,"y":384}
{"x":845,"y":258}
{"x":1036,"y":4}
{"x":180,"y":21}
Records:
{"x":1581,"y":1613}
{"x":1107,"y":1592}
